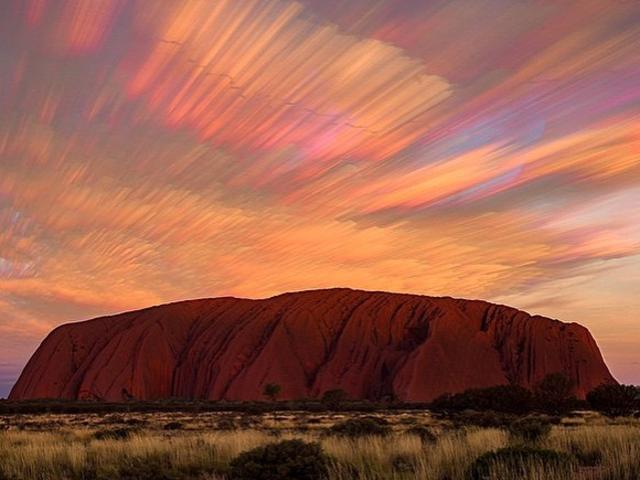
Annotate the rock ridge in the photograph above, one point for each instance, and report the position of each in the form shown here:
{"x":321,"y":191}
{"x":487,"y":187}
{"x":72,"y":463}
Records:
{"x":373,"y":345}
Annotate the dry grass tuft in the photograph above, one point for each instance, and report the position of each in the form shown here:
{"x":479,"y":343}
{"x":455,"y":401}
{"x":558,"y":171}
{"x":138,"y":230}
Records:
{"x":199,"y":451}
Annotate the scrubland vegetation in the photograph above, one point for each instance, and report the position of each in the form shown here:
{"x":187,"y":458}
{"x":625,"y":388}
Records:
{"x":210,"y":446}
{"x":516,"y":434}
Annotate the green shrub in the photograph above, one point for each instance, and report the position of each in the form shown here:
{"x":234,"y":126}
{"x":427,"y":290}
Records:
{"x":289,"y":459}
{"x":425,"y":434}
{"x":530,"y":429}
{"x":359,"y":427}
{"x":519,"y":462}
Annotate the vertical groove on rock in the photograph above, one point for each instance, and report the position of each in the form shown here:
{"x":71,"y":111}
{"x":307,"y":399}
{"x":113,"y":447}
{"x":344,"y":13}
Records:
{"x":371,"y":344}
{"x":337,"y":335}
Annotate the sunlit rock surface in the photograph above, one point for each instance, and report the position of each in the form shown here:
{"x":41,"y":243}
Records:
{"x":371,"y":344}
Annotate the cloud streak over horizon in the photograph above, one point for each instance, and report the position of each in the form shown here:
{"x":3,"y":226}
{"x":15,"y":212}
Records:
{"x":157,"y":152}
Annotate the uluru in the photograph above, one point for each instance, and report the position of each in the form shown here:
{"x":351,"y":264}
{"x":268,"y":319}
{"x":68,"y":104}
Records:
{"x":372,"y":345}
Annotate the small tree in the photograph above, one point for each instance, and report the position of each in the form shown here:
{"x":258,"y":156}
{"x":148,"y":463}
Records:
{"x":334,"y":398}
{"x":555,"y":393}
{"x":615,"y":400}
{"x":271,"y":391}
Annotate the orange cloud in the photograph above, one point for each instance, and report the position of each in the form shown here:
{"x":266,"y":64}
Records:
{"x":155,"y":151}
{"x":271,"y":78}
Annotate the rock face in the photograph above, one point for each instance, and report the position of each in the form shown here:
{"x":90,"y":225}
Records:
{"x":370,"y":344}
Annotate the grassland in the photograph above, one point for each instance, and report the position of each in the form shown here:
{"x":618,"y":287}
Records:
{"x":176,"y":445}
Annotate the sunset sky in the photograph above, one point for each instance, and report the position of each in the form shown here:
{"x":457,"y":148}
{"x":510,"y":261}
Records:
{"x":153,"y":151}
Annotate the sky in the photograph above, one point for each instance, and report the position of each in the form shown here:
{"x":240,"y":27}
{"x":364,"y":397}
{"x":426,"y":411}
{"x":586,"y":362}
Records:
{"x":159,"y":151}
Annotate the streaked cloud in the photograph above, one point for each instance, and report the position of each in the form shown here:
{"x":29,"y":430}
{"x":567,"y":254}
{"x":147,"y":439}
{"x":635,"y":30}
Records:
{"x":155,"y":151}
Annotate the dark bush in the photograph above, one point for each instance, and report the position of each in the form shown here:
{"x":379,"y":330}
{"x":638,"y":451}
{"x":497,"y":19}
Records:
{"x":379,"y":420}
{"x":173,"y":426}
{"x":359,"y":427}
{"x":272,"y":391}
{"x":256,"y":408}
{"x":403,"y":464}
{"x":98,"y":406}
{"x":149,"y":468}
{"x":248,"y":421}
{"x":488,"y":419}
{"x":615,"y":400}
{"x":135,"y":421}
{"x":530,"y":429}
{"x":555,"y":394}
{"x":425,"y":434}
{"x":588,"y":458}
{"x":114,"y":434}
{"x":334,"y":399}
{"x":513,"y":463}
{"x":289,"y":459}
{"x":505,"y":398}
{"x":226,"y":424}
{"x":112,"y":419}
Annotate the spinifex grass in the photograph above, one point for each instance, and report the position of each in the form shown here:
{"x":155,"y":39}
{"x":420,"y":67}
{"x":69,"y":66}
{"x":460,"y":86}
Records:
{"x":607,"y":451}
